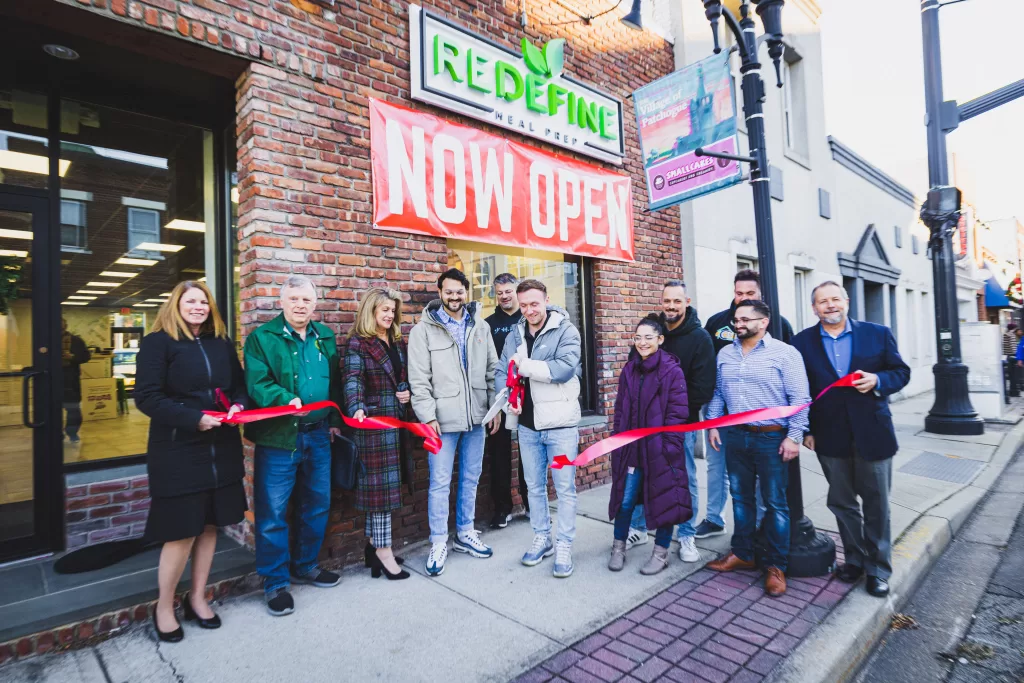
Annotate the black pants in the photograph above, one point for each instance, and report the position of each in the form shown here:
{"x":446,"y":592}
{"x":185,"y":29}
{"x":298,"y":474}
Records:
{"x":499,"y":447}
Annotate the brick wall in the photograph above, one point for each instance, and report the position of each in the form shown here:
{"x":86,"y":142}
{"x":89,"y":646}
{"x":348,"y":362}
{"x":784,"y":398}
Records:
{"x":304,"y":169}
{"x":106,"y":511}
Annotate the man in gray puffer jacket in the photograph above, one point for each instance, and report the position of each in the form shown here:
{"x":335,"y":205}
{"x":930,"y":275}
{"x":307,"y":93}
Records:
{"x":451,"y":373}
{"x":545,"y":347}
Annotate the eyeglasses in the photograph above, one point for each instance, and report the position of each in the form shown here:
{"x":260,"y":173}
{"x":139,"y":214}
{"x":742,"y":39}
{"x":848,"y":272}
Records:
{"x":737,"y":321}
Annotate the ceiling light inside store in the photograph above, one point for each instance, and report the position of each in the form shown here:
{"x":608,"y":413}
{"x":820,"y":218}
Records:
{"x":74,"y":303}
{"x":89,"y":291}
{"x":234,"y":195}
{"x":135,"y":262}
{"x":60,"y":52}
{"x":115,"y":273}
{"x":155,"y":246}
{"x":16,"y":234}
{"x":202,"y":279}
{"x":30,"y":163}
{"x":165,"y":294}
{"x":144,"y":306}
{"x":13,"y":252}
{"x":159,"y":301}
{"x":103,"y":284}
{"x":182,"y":224}
{"x":83,"y":298}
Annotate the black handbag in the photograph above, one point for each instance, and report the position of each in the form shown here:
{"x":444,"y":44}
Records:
{"x":346,"y":467}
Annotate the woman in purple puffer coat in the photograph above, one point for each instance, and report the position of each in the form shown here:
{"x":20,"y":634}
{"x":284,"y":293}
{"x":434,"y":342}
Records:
{"x":651,"y":471}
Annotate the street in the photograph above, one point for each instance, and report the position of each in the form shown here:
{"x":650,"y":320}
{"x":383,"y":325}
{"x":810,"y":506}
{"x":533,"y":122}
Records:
{"x":966,"y":621}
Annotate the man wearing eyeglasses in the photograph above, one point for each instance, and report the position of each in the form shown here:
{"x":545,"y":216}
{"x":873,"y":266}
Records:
{"x":746,"y":287}
{"x":758,"y":371}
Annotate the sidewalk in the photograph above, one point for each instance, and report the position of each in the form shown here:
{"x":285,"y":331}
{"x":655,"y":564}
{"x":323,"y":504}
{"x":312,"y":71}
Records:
{"x":495,"y":620}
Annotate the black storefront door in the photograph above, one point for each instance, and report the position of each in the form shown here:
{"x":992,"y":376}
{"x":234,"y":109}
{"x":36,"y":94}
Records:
{"x":31,"y":429}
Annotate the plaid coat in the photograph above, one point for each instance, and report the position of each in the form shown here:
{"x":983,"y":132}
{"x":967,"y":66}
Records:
{"x":370,"y":385}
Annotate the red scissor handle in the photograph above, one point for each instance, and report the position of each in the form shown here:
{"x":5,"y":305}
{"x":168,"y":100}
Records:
{"x":516,"y":386}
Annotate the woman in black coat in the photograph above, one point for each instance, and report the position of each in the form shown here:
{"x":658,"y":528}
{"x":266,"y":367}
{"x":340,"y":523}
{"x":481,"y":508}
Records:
{"x":185,"y":366}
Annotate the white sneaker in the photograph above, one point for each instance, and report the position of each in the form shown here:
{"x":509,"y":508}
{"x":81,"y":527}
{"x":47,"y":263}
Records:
{"x":435,"y":560}
{"x":469,"y":542}
{"x":688,"y":549}
{"x":635,"y":538}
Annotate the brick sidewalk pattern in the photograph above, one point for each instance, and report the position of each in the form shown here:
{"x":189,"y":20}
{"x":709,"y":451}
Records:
{"x":708,"y":628}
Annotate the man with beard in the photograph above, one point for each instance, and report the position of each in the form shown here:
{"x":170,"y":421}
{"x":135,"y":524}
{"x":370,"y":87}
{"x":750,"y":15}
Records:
{"x":451,"y":375}
{"x":851,"y":429}
{"x":746,"y":287}
{"x":691,"y":345}
{"x":505,"y":317}
{"x":757,"y":371}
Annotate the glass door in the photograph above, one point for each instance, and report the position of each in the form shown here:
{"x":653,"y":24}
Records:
{"x":31,"y":498}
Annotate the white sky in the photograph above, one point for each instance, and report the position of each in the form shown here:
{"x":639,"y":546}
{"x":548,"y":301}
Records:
{"x":874,"y":91}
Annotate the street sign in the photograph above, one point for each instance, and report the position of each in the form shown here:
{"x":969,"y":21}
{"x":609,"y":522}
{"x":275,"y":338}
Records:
{"x":690,"y":108}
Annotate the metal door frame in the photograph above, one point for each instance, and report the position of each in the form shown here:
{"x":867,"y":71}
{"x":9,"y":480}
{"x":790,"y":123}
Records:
{"x":44,"y":416}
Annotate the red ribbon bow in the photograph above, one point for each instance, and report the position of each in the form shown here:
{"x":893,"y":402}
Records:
{"x":431,"y":441}
{"x":516,"y":386}
{"x":606,"y":446}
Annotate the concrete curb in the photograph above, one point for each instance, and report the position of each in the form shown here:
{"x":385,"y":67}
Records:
{"x":834,"y":652}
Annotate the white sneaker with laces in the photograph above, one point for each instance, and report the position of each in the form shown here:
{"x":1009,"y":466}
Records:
{"x":636,"y":537}
{"x":435,"y":560}
{"x":688,"y":549}
{"x":469,"y":542}
{"x":563,"y":560}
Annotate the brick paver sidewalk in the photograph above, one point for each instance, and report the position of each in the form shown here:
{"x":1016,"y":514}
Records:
{"x":708,"y":628}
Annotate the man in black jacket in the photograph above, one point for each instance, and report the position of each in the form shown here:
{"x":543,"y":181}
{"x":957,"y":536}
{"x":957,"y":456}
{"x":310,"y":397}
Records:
{"x":74,"y":355}
{"x":505,"y":317}
{"x":746,"y":287}
{"x":687,"y":341}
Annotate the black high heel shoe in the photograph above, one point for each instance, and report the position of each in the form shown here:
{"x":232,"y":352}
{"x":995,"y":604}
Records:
{"x":175,"y":636}
{"x":378,"y":568}
{"x":190,"y":615}
{"x":369,"y":552}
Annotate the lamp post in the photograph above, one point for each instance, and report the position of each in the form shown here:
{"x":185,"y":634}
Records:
{"x":952,"y":412}
{"x":811,"y":553}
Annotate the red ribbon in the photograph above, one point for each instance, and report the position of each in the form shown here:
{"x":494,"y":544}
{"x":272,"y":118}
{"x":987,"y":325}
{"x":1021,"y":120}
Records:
{"x":606,"y":446}
{"x":431,"y":441}
{"x":516,"y":386}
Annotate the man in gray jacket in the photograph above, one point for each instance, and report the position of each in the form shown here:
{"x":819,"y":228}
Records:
{"x":451,"y":373}
{"x":546,"y":350}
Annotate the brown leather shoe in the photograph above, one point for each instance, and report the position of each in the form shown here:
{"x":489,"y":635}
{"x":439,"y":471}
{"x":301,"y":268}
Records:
{"x":730,"y":563}
{"x":774,"y":582}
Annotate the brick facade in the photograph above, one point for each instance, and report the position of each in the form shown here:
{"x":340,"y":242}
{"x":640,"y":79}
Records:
{"x":304,"y":170}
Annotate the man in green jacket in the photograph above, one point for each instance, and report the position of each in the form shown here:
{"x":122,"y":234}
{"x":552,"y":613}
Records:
{"x":292,"y":360}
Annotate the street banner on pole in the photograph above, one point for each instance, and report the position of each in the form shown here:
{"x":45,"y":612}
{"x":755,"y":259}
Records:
{"x":434,"y":177}
{"x":690,"y":108}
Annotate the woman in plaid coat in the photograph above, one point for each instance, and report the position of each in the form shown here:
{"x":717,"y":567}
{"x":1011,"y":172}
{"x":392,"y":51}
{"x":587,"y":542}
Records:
{"x":376,"y":386}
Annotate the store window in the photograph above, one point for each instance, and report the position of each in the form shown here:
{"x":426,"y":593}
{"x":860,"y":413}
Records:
{"x":24,"y":159}
{"x":794,"y":106}
{"x":137,"y":199}
{"x":564,"y":276}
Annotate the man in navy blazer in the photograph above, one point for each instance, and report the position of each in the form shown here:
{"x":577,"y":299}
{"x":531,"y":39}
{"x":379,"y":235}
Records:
{"x":851,"y":428}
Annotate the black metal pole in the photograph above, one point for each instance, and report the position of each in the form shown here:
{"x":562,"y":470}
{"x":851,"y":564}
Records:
{"x":952,"y":412}
{"x":810,"y":553}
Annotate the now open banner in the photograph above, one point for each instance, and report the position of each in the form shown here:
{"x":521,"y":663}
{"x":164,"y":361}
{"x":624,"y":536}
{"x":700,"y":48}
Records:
{"x":433,"y":177}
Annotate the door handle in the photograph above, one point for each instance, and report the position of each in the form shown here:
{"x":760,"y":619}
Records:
{"x":24,"y":400}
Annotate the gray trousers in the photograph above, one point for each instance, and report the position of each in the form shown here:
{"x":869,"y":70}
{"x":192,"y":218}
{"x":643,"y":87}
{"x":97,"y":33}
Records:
{"x":866,"y":537}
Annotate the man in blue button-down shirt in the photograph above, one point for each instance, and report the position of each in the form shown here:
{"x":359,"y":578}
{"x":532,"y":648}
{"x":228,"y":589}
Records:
{"x":757,"y":371}
{"x":851,"y":428}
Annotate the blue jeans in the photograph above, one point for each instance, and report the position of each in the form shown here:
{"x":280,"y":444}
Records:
{"x":471,"y":447}
{"x":632,"y":492}
{"x":639,"y":521}
{"x":537,"y":450}
{"x":718,"y":480}
{"x":754,"y":458}
{"x":277,"y":472}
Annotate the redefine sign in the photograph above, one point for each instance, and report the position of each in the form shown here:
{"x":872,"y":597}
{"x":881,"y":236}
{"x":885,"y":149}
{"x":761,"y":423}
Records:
{"x":463,"y":72}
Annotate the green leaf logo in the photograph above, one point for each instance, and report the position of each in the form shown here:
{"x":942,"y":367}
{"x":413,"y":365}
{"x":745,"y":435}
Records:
{"x":554,"y":56}
{"x":534,"y":58}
